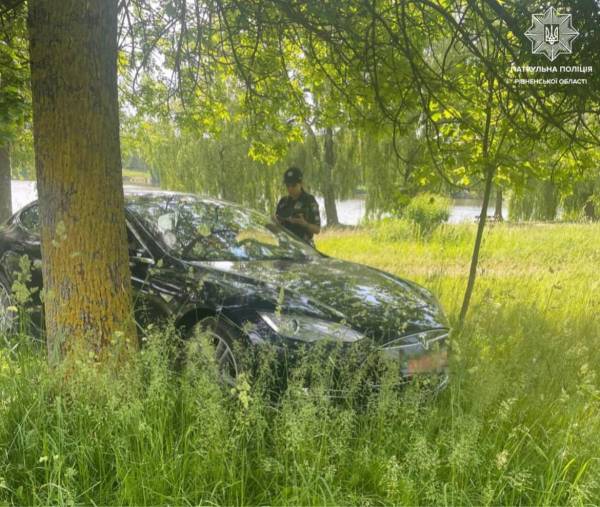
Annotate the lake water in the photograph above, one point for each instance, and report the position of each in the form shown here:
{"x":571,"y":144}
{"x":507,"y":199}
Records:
{"x":350,"y":211}
{"x":23,"y":192}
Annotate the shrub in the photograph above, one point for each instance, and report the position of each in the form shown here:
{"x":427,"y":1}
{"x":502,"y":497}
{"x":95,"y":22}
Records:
{"x":427,"y":212}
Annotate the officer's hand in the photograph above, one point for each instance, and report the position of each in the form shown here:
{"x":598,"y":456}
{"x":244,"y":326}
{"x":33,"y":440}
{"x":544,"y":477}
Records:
{"x":300,"y":220}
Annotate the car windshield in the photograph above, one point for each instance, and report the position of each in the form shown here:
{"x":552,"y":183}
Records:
{"x":198,"y":230}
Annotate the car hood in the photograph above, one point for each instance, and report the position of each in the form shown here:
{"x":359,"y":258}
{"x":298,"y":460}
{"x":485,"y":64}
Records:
{"x":373,"y":302}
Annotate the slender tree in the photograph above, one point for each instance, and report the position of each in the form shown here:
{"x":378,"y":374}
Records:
{"x":498,"y":204}
{"x":73,"y":48}
{"x":328,"y":188}
{"x":5,"y":193}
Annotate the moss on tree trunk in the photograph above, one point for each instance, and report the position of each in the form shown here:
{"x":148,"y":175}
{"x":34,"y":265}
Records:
{"x":73,"y":47}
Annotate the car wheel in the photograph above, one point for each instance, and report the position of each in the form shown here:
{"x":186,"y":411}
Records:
{"x":222,"y":336}
{"x":8,"y":314}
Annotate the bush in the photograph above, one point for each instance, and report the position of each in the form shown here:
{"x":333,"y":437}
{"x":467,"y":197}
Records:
{"x":418,"y":220}
{"x":427,"y":212}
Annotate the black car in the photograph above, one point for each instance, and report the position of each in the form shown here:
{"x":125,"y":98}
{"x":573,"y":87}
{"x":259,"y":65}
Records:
{"x":212,"y":264}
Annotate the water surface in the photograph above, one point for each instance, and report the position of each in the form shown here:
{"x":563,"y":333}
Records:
{"x":350,"y":211}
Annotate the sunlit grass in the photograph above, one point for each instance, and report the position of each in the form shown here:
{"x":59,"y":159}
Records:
{"x":518,"y":425}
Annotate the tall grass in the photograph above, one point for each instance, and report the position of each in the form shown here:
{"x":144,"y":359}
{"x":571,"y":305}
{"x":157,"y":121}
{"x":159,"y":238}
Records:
{"x":518,"y":424}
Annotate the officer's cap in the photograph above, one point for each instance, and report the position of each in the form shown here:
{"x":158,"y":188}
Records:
{"x":292,"y":176}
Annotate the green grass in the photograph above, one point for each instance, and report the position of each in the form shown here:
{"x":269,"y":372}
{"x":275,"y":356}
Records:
{"x":518,"y":425}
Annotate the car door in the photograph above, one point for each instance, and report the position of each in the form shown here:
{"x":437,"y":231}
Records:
{"x":149,"y":306}
{"x":22,"y":262}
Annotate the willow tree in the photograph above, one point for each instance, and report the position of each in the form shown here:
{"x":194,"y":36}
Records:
{"x":225,"y":62}
{"x":14,"y":95}
{"x":73,"y":49}
{"x":5,"y":184}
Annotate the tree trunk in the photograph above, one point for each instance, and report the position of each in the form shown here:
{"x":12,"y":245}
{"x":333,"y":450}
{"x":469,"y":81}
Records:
{"x":329,"y":189}
{"x":549,"y":201}
{"x":498,"y":208}
{"x":476,"y":248}
{"x":87,"y":286}
{"x":490,"y":170}
{"x":589,"y":210}
{"x":5,"y":190}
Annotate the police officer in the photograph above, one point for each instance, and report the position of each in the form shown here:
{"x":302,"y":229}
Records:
{"x":298,"y":211}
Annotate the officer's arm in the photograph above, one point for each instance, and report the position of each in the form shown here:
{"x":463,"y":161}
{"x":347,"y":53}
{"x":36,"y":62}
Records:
{"x":277,"y":217}
{"x":314,"y":219}
{"x":313,"y":229}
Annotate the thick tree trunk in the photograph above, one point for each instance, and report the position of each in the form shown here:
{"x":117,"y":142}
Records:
{"x":498,"y":208}
{"x":87,"y":286}
{"x":5,"y":190}
{"x":329,"y":189}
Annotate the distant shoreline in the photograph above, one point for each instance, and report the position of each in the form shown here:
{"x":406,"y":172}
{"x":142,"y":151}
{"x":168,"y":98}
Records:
{"x":350,"y":211}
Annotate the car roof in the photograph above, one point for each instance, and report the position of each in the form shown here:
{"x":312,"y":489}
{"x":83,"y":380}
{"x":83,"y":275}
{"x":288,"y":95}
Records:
{"x":140,"y":190}
{"x":133,"y":191}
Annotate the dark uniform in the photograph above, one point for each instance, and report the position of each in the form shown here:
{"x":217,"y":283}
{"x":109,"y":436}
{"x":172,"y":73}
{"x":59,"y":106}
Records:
{"x":305,"y":205}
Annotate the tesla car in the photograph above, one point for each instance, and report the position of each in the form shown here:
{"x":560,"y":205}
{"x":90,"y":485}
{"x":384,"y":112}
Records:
{"x":201,"y":262}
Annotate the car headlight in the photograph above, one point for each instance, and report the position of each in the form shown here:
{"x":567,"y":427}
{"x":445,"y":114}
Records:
{"x":309,"y":329}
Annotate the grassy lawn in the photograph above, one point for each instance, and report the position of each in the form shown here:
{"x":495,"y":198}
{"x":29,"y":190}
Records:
{"x":519,"y":423}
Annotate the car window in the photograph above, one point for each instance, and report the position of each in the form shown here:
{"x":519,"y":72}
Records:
{"x":30,"y":219}
{"x":198,"y":230}
{"x":133,"y":244}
